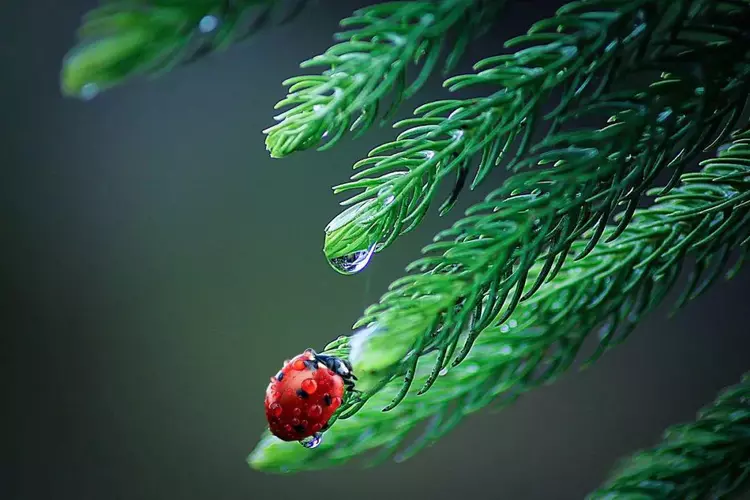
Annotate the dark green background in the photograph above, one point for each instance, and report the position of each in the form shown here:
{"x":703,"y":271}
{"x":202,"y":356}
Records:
{"x":159,"y":266}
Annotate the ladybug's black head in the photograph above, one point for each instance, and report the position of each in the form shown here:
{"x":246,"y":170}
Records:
{"x":339,"y":366}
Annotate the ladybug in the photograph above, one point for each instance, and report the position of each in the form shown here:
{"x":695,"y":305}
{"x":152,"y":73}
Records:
{"x":304,"y":395}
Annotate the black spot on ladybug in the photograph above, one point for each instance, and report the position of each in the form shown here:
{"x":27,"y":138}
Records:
{"x":327,"y":399}
{"x":299,"y":428}
{"x":302,"y":394}
{"x":280,"y":376}
{"x":311,"y":364}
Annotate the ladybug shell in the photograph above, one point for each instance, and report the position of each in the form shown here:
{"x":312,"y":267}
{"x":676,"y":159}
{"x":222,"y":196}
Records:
{"x":301,"y":398}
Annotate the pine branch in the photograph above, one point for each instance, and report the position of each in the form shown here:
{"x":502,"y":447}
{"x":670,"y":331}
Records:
{"x":124,"y":39}
{"x":608,"y":291}
{"x":583,"y":51}
{"x":707,"y":458}
{"x":369,"y":63}
{"x":479,"y":269}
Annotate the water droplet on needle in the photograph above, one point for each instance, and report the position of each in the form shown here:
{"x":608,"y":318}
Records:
{"x":354,"y":262}
{"x":89,"y":91}
{"x":208,"y":23}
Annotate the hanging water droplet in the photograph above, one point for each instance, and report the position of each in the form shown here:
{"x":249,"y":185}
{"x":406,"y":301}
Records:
{"x":504,"y":328}
{"x":506,"y":350}
{"x":443,"y":372}
{"x":89,"y":91}
{"x":208,"y":23}
{"x":512,"y":323}
{"x":312,"y":441}
{"x":354,"y":262}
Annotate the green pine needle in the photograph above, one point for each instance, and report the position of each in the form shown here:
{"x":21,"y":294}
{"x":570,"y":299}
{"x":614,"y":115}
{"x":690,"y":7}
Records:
{"x":608,"y":291}
{"x":370,"y":63}
{"x":707,"y":458}
{"x":123,"y":39}
{"x":583,"y":52}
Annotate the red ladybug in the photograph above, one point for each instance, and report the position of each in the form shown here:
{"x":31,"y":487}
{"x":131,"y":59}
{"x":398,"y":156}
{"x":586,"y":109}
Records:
{"x":304,"y":395}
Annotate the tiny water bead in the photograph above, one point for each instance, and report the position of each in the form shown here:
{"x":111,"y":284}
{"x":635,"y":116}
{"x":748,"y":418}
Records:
{"x":309,"y":385}
{"x":276,"y":410}
{"x":89,"y":91}
{"x":312,"y":441}
{"x":315,"y":411}
{"x":352,"y":263}
{"x":208,"y":23}
{"x":387,"y":192}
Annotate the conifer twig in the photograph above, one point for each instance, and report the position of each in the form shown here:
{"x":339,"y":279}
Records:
{"x":123,"y":39}
{"x":707,"y":458}
{"x":479,"y":270}
{"x":705,"y":218}
{"x":584,"y":51}
{"x":370,"y":62}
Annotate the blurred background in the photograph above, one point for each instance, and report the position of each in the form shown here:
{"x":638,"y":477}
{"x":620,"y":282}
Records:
{"x":158,"y":266}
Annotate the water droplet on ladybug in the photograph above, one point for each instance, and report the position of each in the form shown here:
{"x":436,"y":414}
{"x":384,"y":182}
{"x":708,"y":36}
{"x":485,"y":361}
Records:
{"x":288,"y":428}
{"x":312,"y":441}
{"x":315,"y":411}
{"x":271,"y":392}
{"x":295,"y":421}
{"x":297,"y":412}
{"x":276,"y":410}
{"x":317,"y":427}
{"x":299,"y":364}
{"x":336,"y":402}
{"x":354,"y":262}
{"x":309,"y":385}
